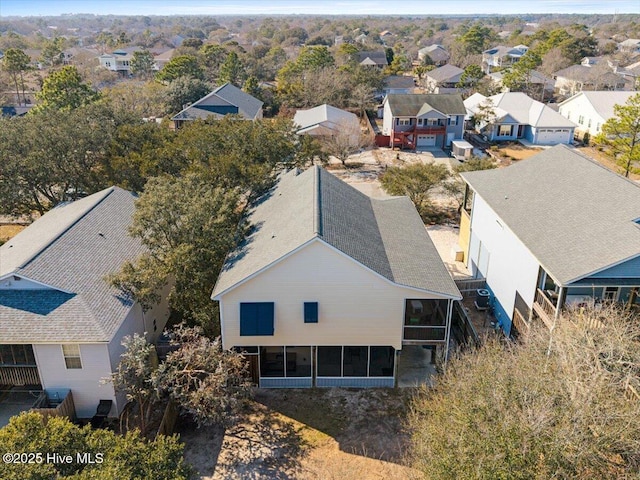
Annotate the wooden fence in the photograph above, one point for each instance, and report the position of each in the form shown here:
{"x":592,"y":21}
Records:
{"x":66,"y":408}
{"x":468,"y":287}
{"x":462,"y":327}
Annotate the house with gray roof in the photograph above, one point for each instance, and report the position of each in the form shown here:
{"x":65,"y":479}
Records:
{"x":373,"y":59}
{"x":330,"y":286}
{"x":422,"y":120}
{"x":61,"y":322}
{"x":554,"y":231}
{"x":227,"y":99}
{"x":444,"y":79}
{"x":501,"y":56}
{"x":577,"y":78}
{"x":511,"y":116}
{"x":326,"y":120}
{"x":591,"y":109}
{"x":436,"y":54}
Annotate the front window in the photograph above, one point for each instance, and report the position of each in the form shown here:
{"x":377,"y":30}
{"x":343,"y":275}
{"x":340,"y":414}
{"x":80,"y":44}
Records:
{"x":71,"y":355}
{"x":403,"y":122}
{"x":453,"y":120}
{"x":505,"y":130}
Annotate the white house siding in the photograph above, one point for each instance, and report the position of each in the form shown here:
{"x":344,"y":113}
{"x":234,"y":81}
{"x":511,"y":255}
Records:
{"x":355,"y":305}
{"x":387,"y":119}
{"x":83,"y":382}
{"x":503,"y":259}
{"x":578,"y":109}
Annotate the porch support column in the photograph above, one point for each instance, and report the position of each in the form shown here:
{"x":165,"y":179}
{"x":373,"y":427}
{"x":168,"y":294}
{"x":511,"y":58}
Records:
{"x":562,"y":295}
{"x":448,"y":330}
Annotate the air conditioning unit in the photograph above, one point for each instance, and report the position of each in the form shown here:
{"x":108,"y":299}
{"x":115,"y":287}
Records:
{"x":482,"y":299}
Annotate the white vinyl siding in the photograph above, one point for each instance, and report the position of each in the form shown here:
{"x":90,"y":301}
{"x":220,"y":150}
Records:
{"x":357,"y":307}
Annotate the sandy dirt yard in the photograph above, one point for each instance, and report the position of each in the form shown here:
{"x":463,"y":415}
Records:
{"x":308,"y":434}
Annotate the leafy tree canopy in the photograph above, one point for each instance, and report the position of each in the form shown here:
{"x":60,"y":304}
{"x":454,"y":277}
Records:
{"x":181,"y":66}
{"x":64,"y":90}
{"x":556,"y":405}
{"x":129,"y":456}
{"x":621,"y":134}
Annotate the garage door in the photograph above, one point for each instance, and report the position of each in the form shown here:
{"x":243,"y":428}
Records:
{"x":551,"y":136}
{"x":426,"y":141}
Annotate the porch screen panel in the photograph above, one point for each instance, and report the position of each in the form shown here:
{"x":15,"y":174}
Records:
{"x":329,"y":361}
{"x":382,"y":361}
{"x":355,"y":361}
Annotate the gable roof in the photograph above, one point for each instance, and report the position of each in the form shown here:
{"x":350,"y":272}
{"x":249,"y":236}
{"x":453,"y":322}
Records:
{"x":519,"y":107}
{"x":225,"y":96}
{"x":373,"y":58}
{"x":386,"y":236}
{"x":70,"y":250}
{"x":436,"y":53}
{"x":330,"y":117}
{"x":447,"y":73}
{"x":502,"y":51}
{"x":574,"y":215}
{"x":399,"y":81}
{"x":408,"y":104}
{"x":603,"y":101}
{"x":584,"y":74}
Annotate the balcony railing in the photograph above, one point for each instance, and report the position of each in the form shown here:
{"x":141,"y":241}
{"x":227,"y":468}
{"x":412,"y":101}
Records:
{"x":545,"y":308}
{"x":19,"y":375}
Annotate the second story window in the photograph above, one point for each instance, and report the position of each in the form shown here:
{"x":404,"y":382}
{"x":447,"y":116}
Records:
{"x":403,"y":122}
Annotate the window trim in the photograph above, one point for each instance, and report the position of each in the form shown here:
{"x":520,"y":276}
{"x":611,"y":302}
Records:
{"x":66,"y":357}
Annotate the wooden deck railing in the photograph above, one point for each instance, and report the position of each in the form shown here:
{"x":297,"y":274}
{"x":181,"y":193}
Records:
{"x":521,"y":324}
{"x":544,"y":307}
{"x":19,"y":375}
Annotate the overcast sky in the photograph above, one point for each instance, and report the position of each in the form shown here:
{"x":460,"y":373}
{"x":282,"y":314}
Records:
{"x":319,"y":7}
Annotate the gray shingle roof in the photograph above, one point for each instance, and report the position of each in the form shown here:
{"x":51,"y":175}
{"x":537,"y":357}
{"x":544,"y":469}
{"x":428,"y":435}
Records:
{"x":574,"y":215}
{"x":373,"y":58}
{"x":81,"y":306}
{"x":386,"y":236}
{"x":446,"y":73}
{"x":225,"y":96}
{"x":408,"y":105}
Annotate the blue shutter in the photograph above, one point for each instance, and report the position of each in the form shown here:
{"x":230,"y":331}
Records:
{"x":310,"y":312}
{"x":248,"y":319}
{"x":265,"y":318}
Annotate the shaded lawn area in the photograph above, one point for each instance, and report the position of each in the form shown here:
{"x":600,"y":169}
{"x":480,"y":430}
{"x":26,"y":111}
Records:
{"x":308,"y":434}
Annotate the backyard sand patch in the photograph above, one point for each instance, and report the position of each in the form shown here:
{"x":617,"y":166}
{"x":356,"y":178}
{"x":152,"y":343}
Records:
{"x":308,"y":434}
{"x":10,"y":230}
{"x":517,"y":151}
{"x":605,"y":160}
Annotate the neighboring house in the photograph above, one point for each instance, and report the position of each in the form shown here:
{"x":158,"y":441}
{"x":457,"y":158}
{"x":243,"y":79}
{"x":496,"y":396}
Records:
{"x":514,"y":115}
{"x":537,"y":80}
{"x":373,"y":59}
{"x":552,"y":231}
{"x":591,"y":109}
{"x":630,"y":45}
{"x":444,"y":79}
{"x":119,"y":60}
{"x":61,"y":322}
{"x":79,"y":56}
{"x":423,"y":120}
{"x":362,"y":38}
{"x":438,"y":55}
{"x":577,"y":78}
{"x":325,"y":120}
{"x":398,"y":84}
{"x":227,"y":99}
{"x":163,"y":58}
{"x":501,"y":56}
{"x":330,"y":285}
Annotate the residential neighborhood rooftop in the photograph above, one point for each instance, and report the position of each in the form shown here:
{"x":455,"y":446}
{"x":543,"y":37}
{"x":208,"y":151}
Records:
{"x":226,"y":95}
{"x":604,"y":101}
{"x":385,"y":236}
{"x":69,"y":251}
{"x":410,"y":104}
{"x":574,"y":215}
